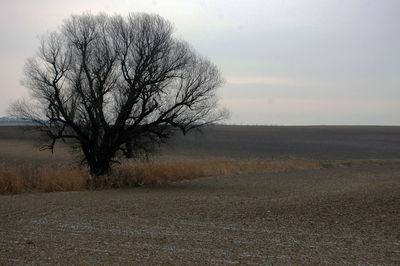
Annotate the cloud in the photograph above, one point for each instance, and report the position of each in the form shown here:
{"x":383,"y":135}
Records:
{"x":277,"y":81}
{"x":285,"y":62}
{"x":288,"y":111}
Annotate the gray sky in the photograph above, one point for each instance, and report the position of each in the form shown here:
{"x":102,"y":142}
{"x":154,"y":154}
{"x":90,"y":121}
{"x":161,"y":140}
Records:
{"x":285,"y":62}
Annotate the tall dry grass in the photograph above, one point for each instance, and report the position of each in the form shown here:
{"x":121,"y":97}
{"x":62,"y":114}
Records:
{"x":27,"y":179}
{"x":160,"y":173}
{"x":15,"y":180}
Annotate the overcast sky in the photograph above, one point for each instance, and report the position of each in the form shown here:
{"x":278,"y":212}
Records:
{"x":285,"y":62}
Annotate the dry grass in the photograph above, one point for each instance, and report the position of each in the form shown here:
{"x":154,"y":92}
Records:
{"x":360,"y":162}
{"x":15,"y":180}
{"x":160,"y":173}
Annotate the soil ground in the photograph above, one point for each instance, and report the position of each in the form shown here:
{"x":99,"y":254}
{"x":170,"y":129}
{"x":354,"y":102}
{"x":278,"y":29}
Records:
{"x":328,"y":216}
{"x":311,"y":142}
{"x":266,"y":142}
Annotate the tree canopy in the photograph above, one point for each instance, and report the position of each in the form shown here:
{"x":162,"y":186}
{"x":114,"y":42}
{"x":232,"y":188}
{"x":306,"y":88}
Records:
{"x":115,"y":86}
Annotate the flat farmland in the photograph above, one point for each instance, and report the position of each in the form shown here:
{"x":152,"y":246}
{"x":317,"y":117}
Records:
{"x":267,"y":142}
{"x":345,"y":215}
{"x":312,"y":142}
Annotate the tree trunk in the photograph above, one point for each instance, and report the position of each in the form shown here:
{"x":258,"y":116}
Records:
{"x":99,"y":167}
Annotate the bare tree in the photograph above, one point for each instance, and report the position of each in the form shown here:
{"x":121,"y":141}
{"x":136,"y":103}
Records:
{"x":112,"y":85}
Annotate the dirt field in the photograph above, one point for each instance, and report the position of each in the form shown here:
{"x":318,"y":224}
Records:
{"x":326,"y":216}
{"x":21,"y":147}
{"x":314,"y":142}
{"x":319,"y":142}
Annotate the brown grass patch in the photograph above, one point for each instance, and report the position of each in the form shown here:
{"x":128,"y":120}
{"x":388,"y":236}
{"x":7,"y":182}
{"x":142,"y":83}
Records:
{"x":15,"y":180}
{"x":357,"y":162}
{"x":160,"y":173}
